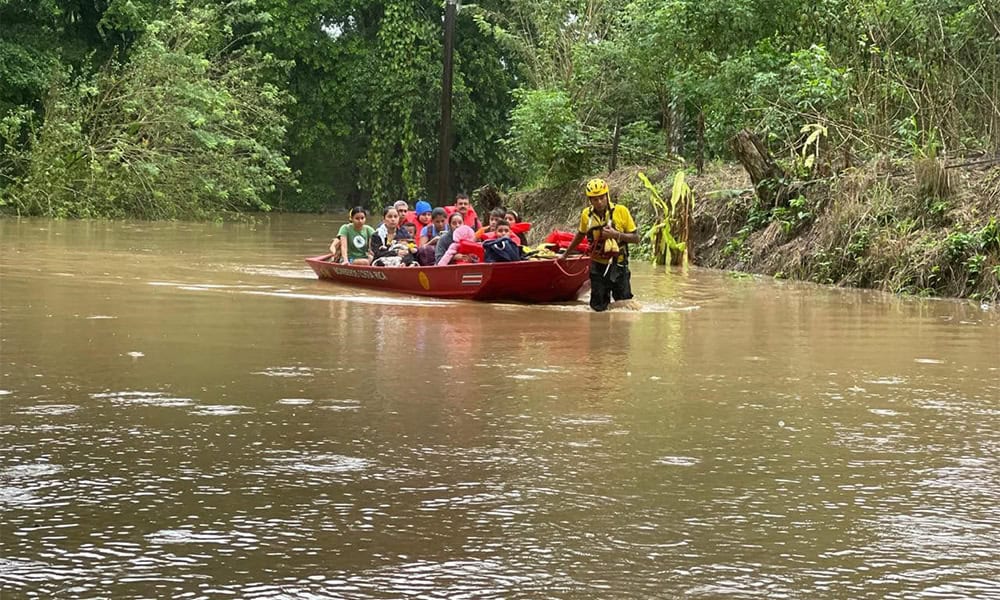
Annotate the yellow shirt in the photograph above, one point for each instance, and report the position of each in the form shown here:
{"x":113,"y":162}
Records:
{"x":621,"y":220}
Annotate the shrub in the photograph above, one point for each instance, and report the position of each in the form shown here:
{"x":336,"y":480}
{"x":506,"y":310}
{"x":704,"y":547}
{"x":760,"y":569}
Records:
{"x":545,"y":136}
{"x":178,"y":130}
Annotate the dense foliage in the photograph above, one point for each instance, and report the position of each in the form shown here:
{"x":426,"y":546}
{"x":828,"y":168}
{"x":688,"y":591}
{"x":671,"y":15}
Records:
{"x":197,"y":107}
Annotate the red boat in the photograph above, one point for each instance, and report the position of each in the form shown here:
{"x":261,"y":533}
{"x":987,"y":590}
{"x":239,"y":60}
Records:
{"x":533,"y":281}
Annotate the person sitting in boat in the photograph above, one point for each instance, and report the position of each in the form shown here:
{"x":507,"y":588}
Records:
{"x":512,"y":218}
{"x":503,"y":230}
{"x":497,"y":220}
{"x":463,"y":234}
{"x":400,"y":252}
{"x":385,"y":234}
{"x":430,"y":235}
{"x":432,"y":232}
{"x":404,"y":212}
{"x":411,"y":230}
{"x":609,"y":228}
{"x":502,"y":247}
{"x":353,"y":241}
{"x":496,"y":215}
{"x":464,"y":206}
{"x":423,"y":217}
{"x":455,"y":220}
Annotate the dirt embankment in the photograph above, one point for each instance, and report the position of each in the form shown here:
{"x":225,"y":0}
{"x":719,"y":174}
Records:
{"x":903,"y":227}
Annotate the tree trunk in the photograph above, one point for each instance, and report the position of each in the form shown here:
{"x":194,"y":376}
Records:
{"x":700,"y":159}
{"x":770,"y":180}
{"x":677,"y":126}
{"x":667,"y":125}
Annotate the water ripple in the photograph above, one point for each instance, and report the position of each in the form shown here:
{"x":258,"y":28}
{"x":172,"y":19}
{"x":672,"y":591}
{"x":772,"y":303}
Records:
{"x":311,"y":463}
{"x":288,"y":372}
{"x":49,"y":409}
{"x":220,"y":410}
{"x":143,"y":398}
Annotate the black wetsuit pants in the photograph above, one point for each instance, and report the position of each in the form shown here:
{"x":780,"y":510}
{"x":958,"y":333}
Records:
{"x":606,"y":282}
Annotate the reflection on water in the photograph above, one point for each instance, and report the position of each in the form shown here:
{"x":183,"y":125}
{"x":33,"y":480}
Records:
{"x":186,"y":412}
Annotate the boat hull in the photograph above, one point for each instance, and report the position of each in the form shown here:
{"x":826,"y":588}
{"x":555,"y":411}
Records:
{"x":532,"y":281}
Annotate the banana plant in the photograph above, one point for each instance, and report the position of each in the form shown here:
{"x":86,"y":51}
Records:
{"x":666,"y":248}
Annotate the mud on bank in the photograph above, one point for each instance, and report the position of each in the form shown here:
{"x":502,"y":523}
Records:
{"x":903,"y":227}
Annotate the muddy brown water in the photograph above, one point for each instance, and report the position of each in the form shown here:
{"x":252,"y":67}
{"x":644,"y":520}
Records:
{"x":186,"y":412}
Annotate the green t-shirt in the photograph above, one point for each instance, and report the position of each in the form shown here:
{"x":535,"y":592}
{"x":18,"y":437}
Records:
{"x":357,"y":241}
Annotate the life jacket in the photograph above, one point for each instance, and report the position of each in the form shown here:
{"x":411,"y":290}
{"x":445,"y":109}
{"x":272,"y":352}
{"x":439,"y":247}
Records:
{"x":562,"y":239}
{"x":604,"y":249}
{"x":492,"y":235}
{"x":501,"y":250}
{"x":466,"y":247}
{"x":420,"y":227}
{"x":515,"y":229}
{"x":471,"y":218}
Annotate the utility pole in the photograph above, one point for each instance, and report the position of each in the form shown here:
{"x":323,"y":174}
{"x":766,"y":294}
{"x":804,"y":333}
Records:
{"x":444,"y":152}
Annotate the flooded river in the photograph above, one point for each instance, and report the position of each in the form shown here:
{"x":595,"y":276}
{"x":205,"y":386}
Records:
{"x":186,"y":412}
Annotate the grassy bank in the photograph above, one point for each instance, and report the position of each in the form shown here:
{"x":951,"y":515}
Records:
{"x":903,"y":227}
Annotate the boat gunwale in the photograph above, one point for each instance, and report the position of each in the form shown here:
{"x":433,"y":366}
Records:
{"x":539,"y":270}
{"x":325,"y":259}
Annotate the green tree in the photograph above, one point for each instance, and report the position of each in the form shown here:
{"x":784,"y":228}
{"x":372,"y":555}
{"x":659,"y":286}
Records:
{"x":179,"y":129}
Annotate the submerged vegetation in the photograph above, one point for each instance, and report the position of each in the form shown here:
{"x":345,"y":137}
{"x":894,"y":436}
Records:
{"x":858,"y":115}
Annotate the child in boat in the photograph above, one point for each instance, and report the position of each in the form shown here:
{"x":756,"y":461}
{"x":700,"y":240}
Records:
{"x":423,"y":217}
{"x":455,"y":221}
{"x":411,"y":230}
{"x":462,"y":234}
{"x":502,"y":230}
{"x":512,"y":217}
{"x":353,"y":241}
{"x":496,"y":215}
{"x":432,"y":232}
{"x":508,"y":229}
{"x":399,"y":253}
{"x":503,"y":247}
{"x":430,"y":235}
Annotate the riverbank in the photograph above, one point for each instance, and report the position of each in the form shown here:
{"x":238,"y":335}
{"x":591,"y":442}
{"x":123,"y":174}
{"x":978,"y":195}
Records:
{"x":901,"y":227}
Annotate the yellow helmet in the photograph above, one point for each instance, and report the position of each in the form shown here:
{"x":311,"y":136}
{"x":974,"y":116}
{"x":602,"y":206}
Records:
{"x":597,"y":187}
